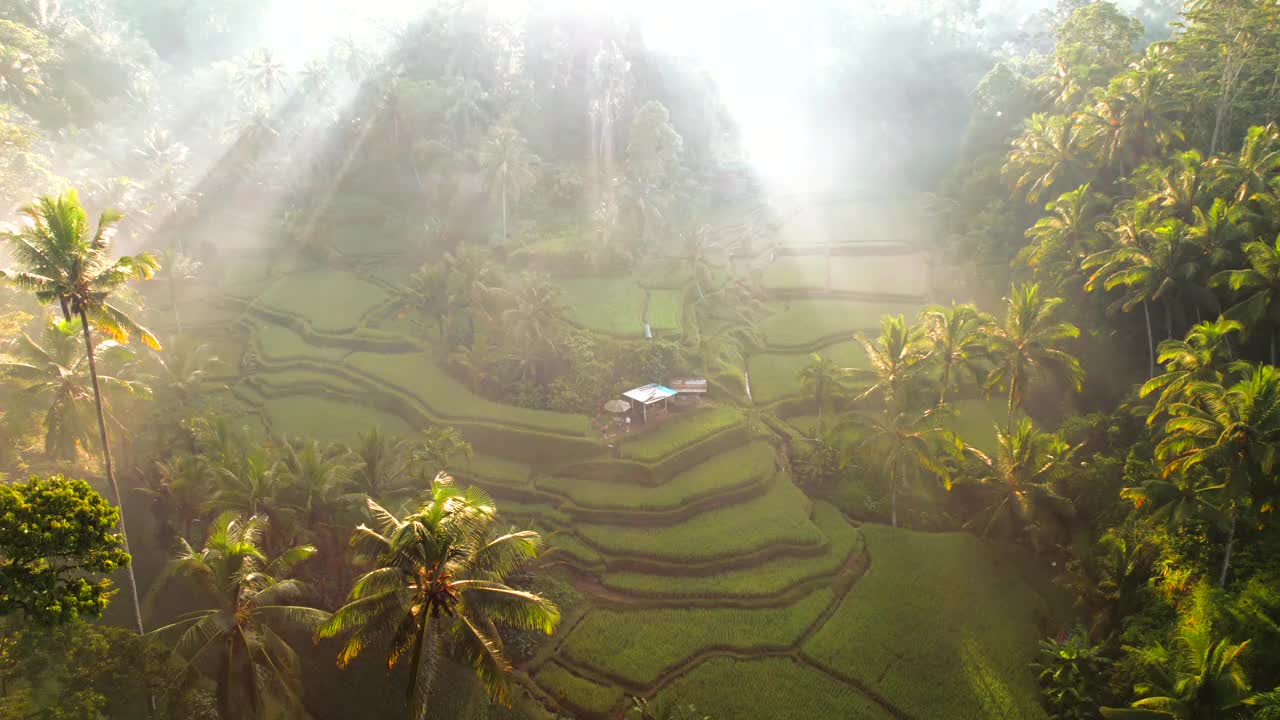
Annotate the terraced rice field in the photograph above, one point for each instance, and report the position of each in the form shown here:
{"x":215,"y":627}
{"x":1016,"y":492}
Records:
{"x":706,"y":575}
{"x":901,"y":274}
{"x":775,"y":376}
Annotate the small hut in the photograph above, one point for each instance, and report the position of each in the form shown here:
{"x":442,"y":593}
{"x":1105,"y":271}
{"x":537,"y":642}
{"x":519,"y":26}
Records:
{"x":652,"y":394}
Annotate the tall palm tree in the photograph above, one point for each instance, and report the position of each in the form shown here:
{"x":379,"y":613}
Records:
{"x":1048,"y":152}
{"x":896,"y":358}
{"x":1165,"y":269}
{"x":473,"y":279}
{"x":509,"y":167}
{"x":439,"y":585}
{"x":1023,"y":470}
{"x":820,"y":375}
{"x":1258,"y":287}
{"x":1248,"y":173}
{"x":63,"y":260}
{"x":258,"y":74}
{"x":1178,"y":187}
{"x":956,"y":339}
{"x":1028,"y":343}
{"x":1232,"y":433}
{"x":1198,"y":358}
{"x":531,"y":320}
{"x":380,"y":469}
{"x":907,"y":444}
{"x":252,"y":602}
{"x":179,"y":489}
{"x":1062,"y":240}
{"x":1218,"y":233}
{"x":56,"y":375}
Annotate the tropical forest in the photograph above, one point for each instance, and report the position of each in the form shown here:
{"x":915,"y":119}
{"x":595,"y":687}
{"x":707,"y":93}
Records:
{"x":625,"y":360}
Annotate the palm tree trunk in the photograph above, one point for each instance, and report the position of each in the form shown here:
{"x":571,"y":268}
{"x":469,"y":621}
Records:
{"x":504,"y":211}
{"x":1013,"y":393}
{"x":1231,"y":541}
{"x":106,"y":462}
{"x":946,"y":380}
{"x":893,"y":496}
{"x":1151,"y":344}
{"x":1273,"y":347}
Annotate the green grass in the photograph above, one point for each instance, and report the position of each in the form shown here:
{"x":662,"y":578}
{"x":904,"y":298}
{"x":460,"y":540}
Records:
{"x":729,"y":470}
{"x":495,"y":470}
{"x":775,"y":376}
{"x":278,"y":341}
{"x":770,"y":687}
{"x":679,"y":432}
{"x":800,"y":324}
{"x":765,"y":579}
{"x":327,"y":419}
{"x":781,"y":515}
{"x":580,"y":692}
{"x":447,"y":398}
{"x":362,"y":239}
{"x":666,"y":310}
{"x":871,"y":274}
{"x":611,"y":305}
{"x":975,"y":421}
{"x":332,"y":301}
{"x":638,"y":645}
{"x":936,"y":623}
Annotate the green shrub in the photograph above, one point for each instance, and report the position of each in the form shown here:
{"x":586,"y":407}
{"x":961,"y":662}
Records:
{"x":804,"y":324}
{"x":769,"y":687}
{"x":766,"y":579}
{"x":734,"y":469}
{"x":679,"y":432}
{"x":780,"y":516}
{"x":638,"y":645}
{"x":577,"y":692}
{"x":937,"y":622}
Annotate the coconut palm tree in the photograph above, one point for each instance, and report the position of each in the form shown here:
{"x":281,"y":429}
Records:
{"x":1199,"y":358}
{"x":1178,"y":187}
{"x":1248,"y":173}
{"x":55,"y":374}
{"x":439,"y":586}
{"x":531,"y":320}
{"x":179,"y":489}
{"x":509,"y":167}
{"x":1021,"y":476}
{"x":258,"y":74}
{"x":907,"y":444}
{"x":1258,"y":287}
{"x":62,"y":259}
{"x":437,"y":449}
{"x":380,"y":469}
{"x":896,"y":358}
{"x":1027,"y":343}
{"x":1062,"y":240}
{"x":956,"y":340}
{"x":1047,"y":153}
{"x":252,"y":602}
{"x":1230,"y":432}
{"x":821,"y":376}
{"x":473,"y":279}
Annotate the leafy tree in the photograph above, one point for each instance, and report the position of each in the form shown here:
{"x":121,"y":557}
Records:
{"x":56,"y":530}
{"x":956,"y":339}
{"x":1232,"y":433}
{"x":1027,"y":343}
{"x":1198,"y":676}
{"x":252,"y":603}
{"x":1022,"y":475}
{"x":63,"y":261}
{"x":56,"y":375}
{"x":653,"y":146}
{"x":438,"y":586}
{"x":1199,"y":358}
{"x":1071,"y":676}
{"x":1094,"y":43}
{"x":1259,"y":289}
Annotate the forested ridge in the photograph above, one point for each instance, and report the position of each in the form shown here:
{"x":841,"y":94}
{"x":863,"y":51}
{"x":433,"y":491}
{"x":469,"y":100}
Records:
{"x":310,"y":319}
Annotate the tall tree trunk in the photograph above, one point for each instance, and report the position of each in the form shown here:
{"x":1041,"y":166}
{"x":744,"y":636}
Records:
{"x":946,"y":380}
{"x":1013,"y":394}
{"x":1151,"y":343}
{"x":106,"y":461}
{"x":1273,"y":347}
{"x":1231,"y":541}
{"x":1168,"y":321}
{"x":504,"y":212}
{"x":893,"y":496}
